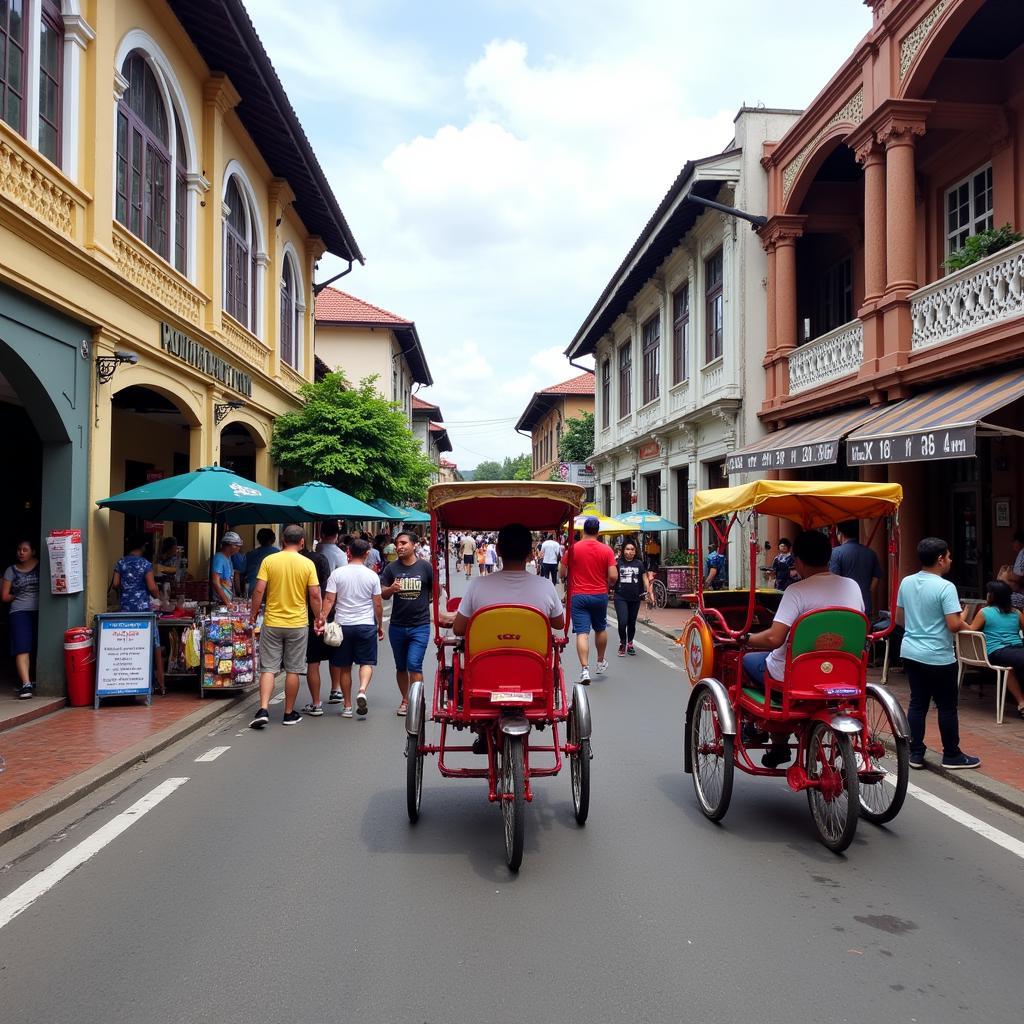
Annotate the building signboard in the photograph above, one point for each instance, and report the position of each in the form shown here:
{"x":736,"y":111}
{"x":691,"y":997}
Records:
{"x":179,"y":344}
{"x":821,"y":453}
{"x":921,"y":446}
{"x":124,"y":655}
{"x":576,"y":473}
{"x":650,"y":450}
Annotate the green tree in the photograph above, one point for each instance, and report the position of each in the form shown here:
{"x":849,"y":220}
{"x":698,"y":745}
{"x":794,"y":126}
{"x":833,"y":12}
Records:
{"x":518,"y":468}
{"x":488,"y":470}
{"x":577,"y":441}
{"x":355,"y":440}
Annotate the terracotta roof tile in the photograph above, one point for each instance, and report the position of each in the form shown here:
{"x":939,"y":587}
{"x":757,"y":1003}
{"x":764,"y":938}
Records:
{"x":581,"y":385}
{"x":418,"y":403}
{"x":338,"y":307}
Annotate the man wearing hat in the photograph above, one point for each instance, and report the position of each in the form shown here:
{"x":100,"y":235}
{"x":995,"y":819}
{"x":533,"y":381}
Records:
{"x":222,"y":570}
{"x":590,"y":567}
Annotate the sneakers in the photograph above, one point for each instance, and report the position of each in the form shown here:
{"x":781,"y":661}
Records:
{"x":480,"y":743}
{"x":313,"y":710}
{"x":292,"y":718}
{"x":336,"y":697}
{"x":28,"y":690}
{"x":602,"y":667}
{"x":585,"y":676}
{"x":631,"y":650}
{"x":776,"y":756}
{"x":261,"y":719}
{"x":361,"y":706}
{"x":961,"y":761}
{"x":346,"y":712}
{"x":917,"y":761}
{"x":622,"y":650}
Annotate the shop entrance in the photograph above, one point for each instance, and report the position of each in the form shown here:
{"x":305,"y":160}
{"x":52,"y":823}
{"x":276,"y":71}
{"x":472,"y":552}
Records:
{"x":960,"y":490}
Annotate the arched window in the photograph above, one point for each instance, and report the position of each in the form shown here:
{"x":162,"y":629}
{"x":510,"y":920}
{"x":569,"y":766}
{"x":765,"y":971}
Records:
{"x":239,"y":258}
{"x":143,"y":157}
{"x":289,"y":331}
{"x":13,"y":63}
{"x":180,"y":202}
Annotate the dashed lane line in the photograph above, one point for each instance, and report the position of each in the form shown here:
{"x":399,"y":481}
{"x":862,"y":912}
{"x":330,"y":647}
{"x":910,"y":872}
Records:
{"x":25,"y":895}
{"x":649,"y":650}
{"x":211,"y":755}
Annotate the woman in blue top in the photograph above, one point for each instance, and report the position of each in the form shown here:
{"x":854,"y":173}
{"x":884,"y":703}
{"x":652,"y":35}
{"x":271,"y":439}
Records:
{"x":1001,"y":624}
{"x":135,"y":584}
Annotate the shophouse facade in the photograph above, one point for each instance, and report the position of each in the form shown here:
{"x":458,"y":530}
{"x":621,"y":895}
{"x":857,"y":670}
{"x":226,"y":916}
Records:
{"x":677,"y":386}
{"x":880,"y":362}
{"x":161,"y":213}
{"x":545,"y":415}
{"x":364,"y":340}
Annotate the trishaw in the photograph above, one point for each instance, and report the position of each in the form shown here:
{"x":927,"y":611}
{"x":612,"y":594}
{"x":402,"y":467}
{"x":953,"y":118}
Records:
{"x":503,"y":680}
{"x":851,"y":754}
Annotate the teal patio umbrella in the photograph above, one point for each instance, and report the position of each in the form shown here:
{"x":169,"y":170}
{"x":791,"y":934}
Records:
{"x":414,"y":515}
{"x":322,"y":501}
{"x":385,"y":510}
{"x":647,"y":522}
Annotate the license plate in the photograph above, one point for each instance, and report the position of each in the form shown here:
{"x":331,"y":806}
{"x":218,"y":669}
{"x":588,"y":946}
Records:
{"x":510,"y":697}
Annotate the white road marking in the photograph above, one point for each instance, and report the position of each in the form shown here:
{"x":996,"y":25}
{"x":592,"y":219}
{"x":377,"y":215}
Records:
{"x":648,"y":650}
{"x":25,"y":895}
{"x":277,"y":698}
{"x":212,"y":754}
{"x":982,"y":828}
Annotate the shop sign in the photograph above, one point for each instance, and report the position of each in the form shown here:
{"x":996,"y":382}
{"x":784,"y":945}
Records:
{"x":179,"y":344}
{"x":65,"y":550}
{"x":124,"y":654}
{"x":822,"y":453}
{"x":650,"y":450}
{"x":576,"y":473}
{"x":924,"y":446}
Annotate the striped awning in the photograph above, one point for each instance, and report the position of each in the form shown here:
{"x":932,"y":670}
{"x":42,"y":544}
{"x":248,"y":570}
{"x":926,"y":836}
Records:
{"x":809,"y":443}
{"x":938,"y":424}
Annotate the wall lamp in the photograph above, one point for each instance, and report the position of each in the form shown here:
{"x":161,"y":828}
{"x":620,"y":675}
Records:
{"x":107,"y":365}
{"x":220,"y":412}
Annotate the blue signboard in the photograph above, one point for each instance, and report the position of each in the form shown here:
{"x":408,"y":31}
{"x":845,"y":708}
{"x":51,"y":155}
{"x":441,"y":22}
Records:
{"x":124,"y":655}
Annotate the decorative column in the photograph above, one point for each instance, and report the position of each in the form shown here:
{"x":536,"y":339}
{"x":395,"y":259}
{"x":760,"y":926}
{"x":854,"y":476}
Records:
{"x":871,"y":157}
{"x":779,"y":238}
{"x":78,"y":34}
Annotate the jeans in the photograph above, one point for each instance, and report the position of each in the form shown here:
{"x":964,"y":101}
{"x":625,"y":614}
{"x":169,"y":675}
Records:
{"x":754,"y":665}
{"x":933,"y":683}
{"x":409,"y":644}
{"x":589,"y":612}
{"x":549,"y":571}
{"x":626,"y":612}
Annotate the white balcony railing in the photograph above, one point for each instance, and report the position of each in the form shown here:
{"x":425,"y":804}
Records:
{"x":712,"y":377}
{"x":648,"y":415}
{"x":830,"y":357}
{"x":986,"y":292}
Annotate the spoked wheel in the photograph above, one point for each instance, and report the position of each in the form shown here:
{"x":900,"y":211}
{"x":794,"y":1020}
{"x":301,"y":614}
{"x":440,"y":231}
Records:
{"x":579,"y":764}
{"x":834,"y":802}
{"x":660,"y":592}
{"x":882,"y":797}
{"x":414,"y":770}
{"x":513,"y":799}
{"x":712,"y":754}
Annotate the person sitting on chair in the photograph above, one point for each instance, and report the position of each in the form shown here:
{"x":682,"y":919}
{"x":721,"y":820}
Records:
{"x":817,"y":588}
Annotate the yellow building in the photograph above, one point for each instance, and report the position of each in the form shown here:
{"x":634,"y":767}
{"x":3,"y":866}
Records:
{"x":545,"y":415}
{"x":161,"y":215}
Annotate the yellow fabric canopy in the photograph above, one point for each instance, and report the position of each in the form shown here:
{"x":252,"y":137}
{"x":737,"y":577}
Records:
{"x":810,"y":502}
{"x":608,"y":524}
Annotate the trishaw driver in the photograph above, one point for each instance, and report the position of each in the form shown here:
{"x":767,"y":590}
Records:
{"x":817,"y":588}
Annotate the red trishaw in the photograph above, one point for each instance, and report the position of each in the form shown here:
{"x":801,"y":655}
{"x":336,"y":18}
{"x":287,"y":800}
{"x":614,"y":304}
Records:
{"x":503,"y":680}
{"x":852,"y":737}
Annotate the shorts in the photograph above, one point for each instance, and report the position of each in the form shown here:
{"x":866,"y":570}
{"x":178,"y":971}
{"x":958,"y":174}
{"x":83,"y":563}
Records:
{"x":589,"y":612}
{"x":409,"y":644}
{"x":283,"y":648}
{"x":467,"y":559}
{"x":359,"y":647}
{"x":316,"y":649}
{"x":24,"y":628}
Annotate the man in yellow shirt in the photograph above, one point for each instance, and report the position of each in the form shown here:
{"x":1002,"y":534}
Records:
{"x":289,"y":580}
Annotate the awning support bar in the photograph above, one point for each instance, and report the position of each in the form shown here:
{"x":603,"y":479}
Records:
{"x":1001,"y":430}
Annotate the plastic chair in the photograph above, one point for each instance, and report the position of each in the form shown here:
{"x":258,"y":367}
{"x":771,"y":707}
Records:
{"x":972,"y":653}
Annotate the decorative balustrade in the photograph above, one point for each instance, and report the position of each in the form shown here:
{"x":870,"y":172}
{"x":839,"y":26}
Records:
{"x":32,"y":183}
{"x":679,"y":398}
{"x":648,"y":416}
{"x":292,"y":379}
{"x":829,"y":357}
{"x":713,"y":377}
{"x":243,"y":343}
{"x":986,"y":292}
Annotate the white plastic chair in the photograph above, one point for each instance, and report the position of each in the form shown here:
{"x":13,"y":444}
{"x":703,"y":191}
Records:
{"x":971,"y":653}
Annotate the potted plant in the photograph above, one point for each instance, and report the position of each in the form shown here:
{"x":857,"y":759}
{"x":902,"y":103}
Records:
{"x":983,"y":244}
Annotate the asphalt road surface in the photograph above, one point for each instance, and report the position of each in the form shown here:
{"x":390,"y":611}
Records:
{"x":282,"y":881}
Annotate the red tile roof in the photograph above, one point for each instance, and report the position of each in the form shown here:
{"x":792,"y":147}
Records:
{"x":436,"y":428}
{"x":418,"y":403}
{"x":581,"y":385}
{"x":338,"y":307}
{"x":546,"y":399}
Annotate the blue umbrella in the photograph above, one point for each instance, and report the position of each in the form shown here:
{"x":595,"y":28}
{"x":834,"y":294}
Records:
{"x":321,"y":501}
{"x":648,"y":522}
{"x":414,"y":515}
{"x":385,"y":510}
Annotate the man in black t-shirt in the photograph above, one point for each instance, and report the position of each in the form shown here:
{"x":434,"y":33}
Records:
{"x":409,"y":580}
{"x":316,"y":650}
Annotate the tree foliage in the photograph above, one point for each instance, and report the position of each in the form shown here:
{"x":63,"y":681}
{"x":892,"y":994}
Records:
{"x":354,"y":439}
{"x":577,"y":441}
{"x":518,"y":468}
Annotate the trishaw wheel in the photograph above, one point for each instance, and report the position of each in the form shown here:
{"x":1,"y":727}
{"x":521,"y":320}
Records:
{"x":712,"y":754}
{"x":414,"y":772}
{"x":833,"y":800}
{"x":513,"y":809}
{"x":660,"y":592}
{"x":882,"y":799}
{"x":579,"y":769}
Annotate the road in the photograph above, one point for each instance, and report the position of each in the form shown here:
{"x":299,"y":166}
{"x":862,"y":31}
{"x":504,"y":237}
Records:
{"x":283,"y":882}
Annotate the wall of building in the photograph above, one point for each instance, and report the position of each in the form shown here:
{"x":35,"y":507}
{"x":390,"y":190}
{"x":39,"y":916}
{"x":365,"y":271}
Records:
{"x":547,"y":431}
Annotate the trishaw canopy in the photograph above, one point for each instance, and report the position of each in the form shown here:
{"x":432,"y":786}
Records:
{"x":487,"y":505}
{"x":808,"y":502}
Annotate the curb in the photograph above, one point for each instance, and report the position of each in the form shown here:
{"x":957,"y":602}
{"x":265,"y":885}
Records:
{"x":974,"y":781}
{"x":37,"y":809}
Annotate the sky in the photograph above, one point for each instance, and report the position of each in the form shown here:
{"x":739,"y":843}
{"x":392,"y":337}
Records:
{"x":495,"y":159}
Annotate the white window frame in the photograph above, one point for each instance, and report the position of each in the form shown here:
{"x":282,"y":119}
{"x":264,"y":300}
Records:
{"x":977,"y":220}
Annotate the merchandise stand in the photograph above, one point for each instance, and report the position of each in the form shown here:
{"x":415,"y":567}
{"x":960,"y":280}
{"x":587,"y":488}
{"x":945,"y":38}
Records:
{"x":229,"y":652}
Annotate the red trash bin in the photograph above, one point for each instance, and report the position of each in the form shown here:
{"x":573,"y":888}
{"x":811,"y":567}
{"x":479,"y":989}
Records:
{"x":79,"y":666}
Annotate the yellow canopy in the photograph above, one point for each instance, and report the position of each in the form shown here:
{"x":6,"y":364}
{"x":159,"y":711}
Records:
{"x":608,"y":524}
{"x":810,"y":502}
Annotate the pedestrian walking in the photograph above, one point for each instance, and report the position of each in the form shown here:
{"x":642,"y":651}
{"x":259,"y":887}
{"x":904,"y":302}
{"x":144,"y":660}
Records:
{"x":716,"y":571}
{"x":254,"y":559}
{"x":590,"y":568}
{"x":857,"y":562}
{"x":354,"y":593}
{"x":490,"y":556}
{"x":632,"y":587}
{"x":550,"y":555}
{"x":20,"y":590}
{"x":409,"y":581}
{"x":374,"y":556}
{"x":468,"y":554}
{"x":481,"y":557}
{"x":328,"y":546}
{"x":928,"y":608}
{"x":783,"y":566}
{"x":316,"y":650}
{"x":287,"y":581}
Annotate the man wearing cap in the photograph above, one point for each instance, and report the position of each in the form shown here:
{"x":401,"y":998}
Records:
{"x":590,"y":567}
{"x":222,"y":569}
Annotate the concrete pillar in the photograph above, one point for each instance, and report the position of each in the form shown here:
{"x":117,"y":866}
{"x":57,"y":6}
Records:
{"x":900,"y":210}
{"x":873,"y":159}
{"x":785,"y":311}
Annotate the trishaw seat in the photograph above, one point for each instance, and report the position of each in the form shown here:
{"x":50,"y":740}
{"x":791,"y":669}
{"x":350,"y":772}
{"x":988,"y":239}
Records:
{"x":826,"y":653}
{"x":508,"y":627}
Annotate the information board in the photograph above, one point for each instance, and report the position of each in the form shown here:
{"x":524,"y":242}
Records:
{"x":920,"y":446}
{"x":124,"y":655}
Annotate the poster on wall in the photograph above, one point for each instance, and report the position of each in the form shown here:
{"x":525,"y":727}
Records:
{"x":65,"y":550}
{"x":124,"y":655}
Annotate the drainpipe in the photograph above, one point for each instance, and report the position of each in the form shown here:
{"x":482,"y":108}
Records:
{"x":756,"y":221}
{"x":318,"y":288}
{"x":585,"y":369}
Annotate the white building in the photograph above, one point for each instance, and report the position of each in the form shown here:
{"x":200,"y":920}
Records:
{"x":675,"y":389}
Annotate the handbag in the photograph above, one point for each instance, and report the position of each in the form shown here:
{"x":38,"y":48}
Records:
{"x":333,"y":634}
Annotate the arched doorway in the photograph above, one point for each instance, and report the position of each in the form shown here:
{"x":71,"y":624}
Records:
{"x":244,"y":451}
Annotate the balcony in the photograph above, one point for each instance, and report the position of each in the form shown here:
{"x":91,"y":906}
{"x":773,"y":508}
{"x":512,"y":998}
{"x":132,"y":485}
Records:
{"x":243,"y":343}
{"x":827,"y":358}
{"x":987,"y":292}
{"x":712,"y":377}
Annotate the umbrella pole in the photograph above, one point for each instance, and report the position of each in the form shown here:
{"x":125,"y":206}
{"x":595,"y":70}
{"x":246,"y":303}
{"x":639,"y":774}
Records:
{"x":213,"y":541}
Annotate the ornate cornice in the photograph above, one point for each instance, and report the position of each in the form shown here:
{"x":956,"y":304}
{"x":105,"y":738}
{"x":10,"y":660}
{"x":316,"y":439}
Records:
{"x":77,"y":30}
{"x":783,"y":229}
{"x":911,"y":43}
{"x":851,"y":113}
{"x":219,"y":92}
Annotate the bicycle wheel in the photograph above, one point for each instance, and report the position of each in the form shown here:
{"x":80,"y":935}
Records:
{"x":414,"y":772}
{"x":882,"y":798}
{"x":712,"y":754}
{"x":513,"y":799}
{"x":660,"y":592}
{"x":579,"y":768}
{"x":833,"y":802}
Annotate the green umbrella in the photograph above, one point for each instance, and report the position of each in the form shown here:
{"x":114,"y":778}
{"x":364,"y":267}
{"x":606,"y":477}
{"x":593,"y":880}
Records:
{"x":321,"y":501}
{"x":647,"y":521}
{"x":414,"y":515}
{"x":385,"y":510}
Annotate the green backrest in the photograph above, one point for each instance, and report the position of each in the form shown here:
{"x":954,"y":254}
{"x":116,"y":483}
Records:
{"x":845,"y":630}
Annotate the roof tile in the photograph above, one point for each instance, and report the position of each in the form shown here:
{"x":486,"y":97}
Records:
{"x":338,"y":307}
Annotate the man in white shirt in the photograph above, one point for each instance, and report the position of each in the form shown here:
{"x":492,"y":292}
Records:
{"x":816,"y":588}
{"x":328,"y":546}
{"x":355,"y":590}
{"x":550,"y":556}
